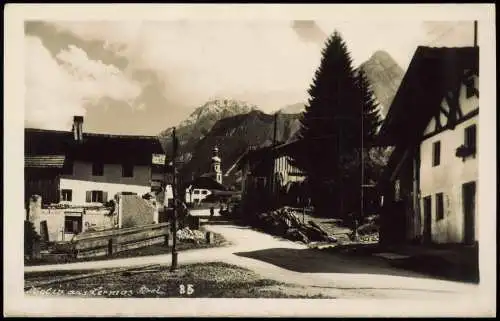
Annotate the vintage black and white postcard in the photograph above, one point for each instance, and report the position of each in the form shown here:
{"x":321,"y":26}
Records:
{"x":249,"y":160}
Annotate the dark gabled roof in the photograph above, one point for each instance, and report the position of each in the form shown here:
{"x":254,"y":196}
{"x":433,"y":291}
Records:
{"x":206,"y":182}
{"x":46,"y":142}
{"x":250,"y":154}
{"x":49,"y":161}
{"x":431,"y":73}
{"x":109,"y":148}
{"x":258,"y":154}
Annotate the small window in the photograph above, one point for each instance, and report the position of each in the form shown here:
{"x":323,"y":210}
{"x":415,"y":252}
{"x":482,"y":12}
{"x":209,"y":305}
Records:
{"x":204,"y":192}
{"x":66,"y":195}
{"x":196,"y":192}
{"x":72,"y":224}
{"x":470,"y":89}
{"x":96,"y":197}
{"x":97,"y":169}
{"x":436,"y":153}
{"x":439,"y":207}
{"x":128,"y":170}
{"x":470,"y":137}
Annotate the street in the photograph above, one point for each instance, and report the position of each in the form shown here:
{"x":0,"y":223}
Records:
{"x":294,"y":263}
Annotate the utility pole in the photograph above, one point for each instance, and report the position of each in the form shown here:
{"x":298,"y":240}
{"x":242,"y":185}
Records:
{"x":174,"y":194}
{"x":362,"y":166}
{"x":272,"y":182}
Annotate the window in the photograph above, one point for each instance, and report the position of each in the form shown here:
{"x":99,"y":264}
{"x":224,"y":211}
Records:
{"x":439,"y":207}
{"x":470,"y":137}
{"x":471,"y":91}
{"x":128,"y":170}
{"x":97,"y":169}
{"x":72,"y":224}
{"x":204,"y":192}
{"x":96,"y":197}
{"x":436,"y":153}
{"x":196,"y":192}
{"x":66,"y":195}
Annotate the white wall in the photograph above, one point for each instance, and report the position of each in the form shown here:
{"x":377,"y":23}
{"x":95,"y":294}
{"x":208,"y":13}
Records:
{"x":111,"y":182}
{"x":448,"y":177}
{"x":55,"y":221}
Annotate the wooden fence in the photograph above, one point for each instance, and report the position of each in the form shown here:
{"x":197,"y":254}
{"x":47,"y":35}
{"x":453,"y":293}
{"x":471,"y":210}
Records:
{"x":112,"y":241}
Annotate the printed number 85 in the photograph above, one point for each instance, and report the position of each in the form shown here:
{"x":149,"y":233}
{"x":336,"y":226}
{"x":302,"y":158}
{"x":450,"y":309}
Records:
{"x":186,"y":289}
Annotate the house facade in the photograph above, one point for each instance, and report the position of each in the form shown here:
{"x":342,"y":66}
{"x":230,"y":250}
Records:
{"x":449,"y":169}
{"x":71,"y":177}
{"x":429,"y":185}
{"x":266,"y":174}
{"x":87,"y":169}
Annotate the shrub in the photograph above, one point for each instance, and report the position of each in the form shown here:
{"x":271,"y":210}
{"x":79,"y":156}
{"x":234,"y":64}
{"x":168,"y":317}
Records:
{"x":30,"y":237}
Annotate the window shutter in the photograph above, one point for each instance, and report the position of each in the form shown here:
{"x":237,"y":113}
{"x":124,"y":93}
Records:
{"x":88,"y":196}
{"x":75,"y":226}
{"x":104,"y":197}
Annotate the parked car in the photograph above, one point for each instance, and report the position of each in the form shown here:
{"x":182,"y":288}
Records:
{"x":196,"y":195}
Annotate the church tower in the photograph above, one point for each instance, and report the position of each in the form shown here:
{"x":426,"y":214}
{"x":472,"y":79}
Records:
{"x":216,"y":169}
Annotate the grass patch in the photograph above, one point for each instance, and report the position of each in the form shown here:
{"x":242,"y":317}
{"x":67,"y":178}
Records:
{"x":203,"y":280}
{"x":156,"y":249}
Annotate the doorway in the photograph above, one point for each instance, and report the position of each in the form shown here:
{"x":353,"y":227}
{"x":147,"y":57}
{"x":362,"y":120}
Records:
{"x":427,"y":219}
{"x":469,"y":208}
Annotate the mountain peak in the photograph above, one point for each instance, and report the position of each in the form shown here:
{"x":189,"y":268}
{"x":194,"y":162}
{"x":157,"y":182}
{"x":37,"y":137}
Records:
{"x":218,"y":108}
{"x":385,"y":76}
{"x":381,"y":54}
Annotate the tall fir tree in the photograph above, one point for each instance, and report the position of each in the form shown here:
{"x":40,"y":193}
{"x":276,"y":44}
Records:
{"x":358,"y":165}
{"x":370,"y":108}
{"x":329,"y":124}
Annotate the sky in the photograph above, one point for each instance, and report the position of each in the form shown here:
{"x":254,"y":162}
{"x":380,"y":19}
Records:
{"x":141,"y":77}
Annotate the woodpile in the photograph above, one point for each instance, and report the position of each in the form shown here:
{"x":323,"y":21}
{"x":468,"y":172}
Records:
{"x":285,"y":222}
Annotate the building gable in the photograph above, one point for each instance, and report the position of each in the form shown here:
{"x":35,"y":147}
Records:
{"x":434,"y":75}
{"x":456,"y":106}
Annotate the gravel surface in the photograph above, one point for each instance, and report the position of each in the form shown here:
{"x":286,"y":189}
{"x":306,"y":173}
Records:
{"x":215,"y":280}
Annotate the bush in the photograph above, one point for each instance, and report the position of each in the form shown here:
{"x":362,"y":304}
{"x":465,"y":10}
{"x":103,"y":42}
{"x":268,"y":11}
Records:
{"x":30,"y":237}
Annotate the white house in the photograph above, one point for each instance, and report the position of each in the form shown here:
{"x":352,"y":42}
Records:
{"x":431,"y":180}
{"x":86,"y":170}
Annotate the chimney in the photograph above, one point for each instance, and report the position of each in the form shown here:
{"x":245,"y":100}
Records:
{"x":77,"y":128}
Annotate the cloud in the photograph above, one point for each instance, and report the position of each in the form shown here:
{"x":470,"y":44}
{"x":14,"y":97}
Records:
{"x":57,"y":89}
{"x":188,"y":62}
{"x":268,"y":63}
{"x":308,"y":30}
{"x":200,"y":60}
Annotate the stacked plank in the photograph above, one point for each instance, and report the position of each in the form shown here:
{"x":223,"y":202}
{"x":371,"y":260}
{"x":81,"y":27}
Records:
{"x":285,"y":222}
